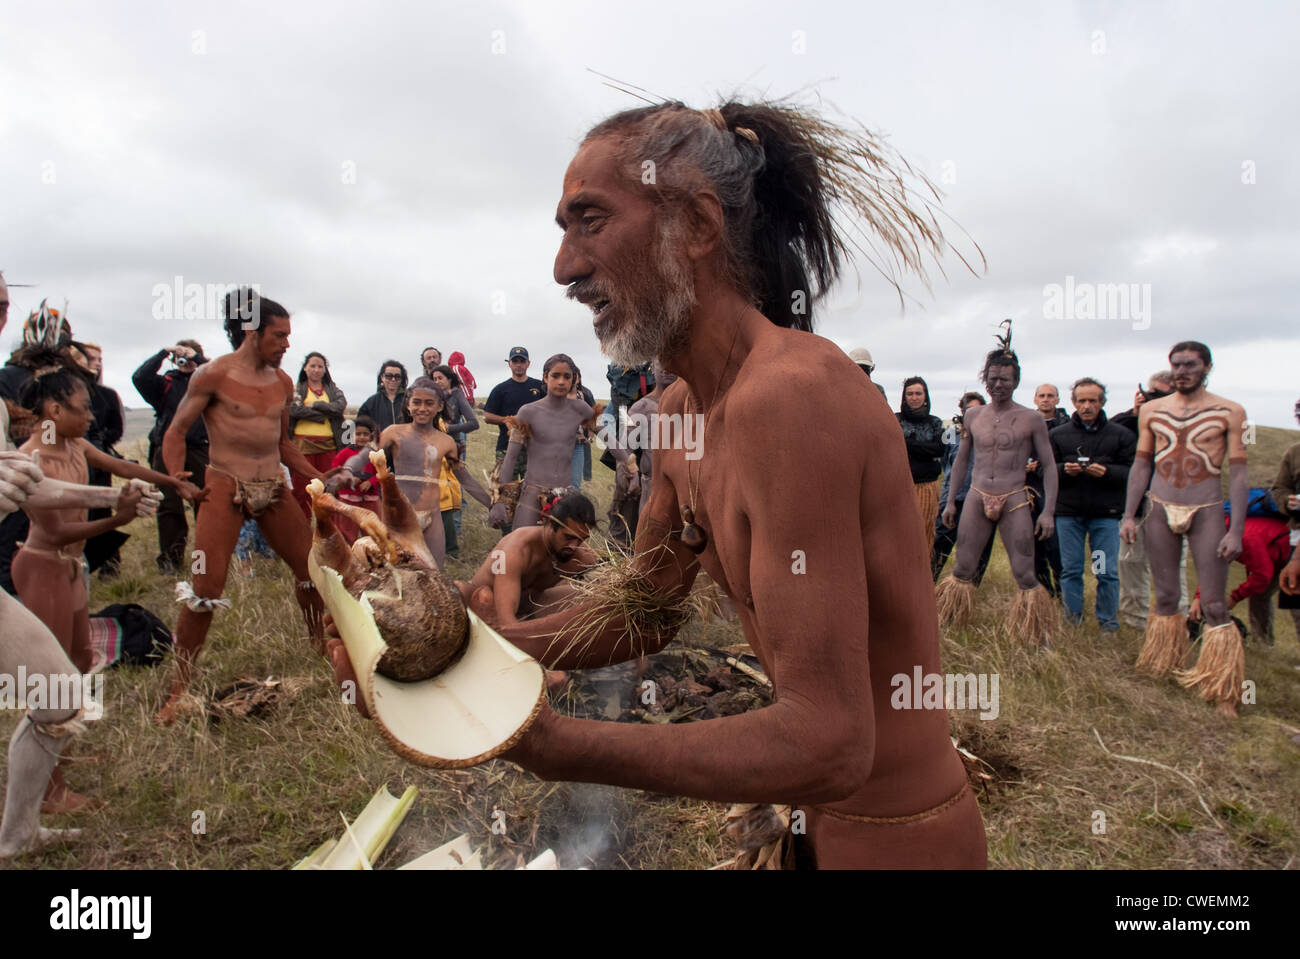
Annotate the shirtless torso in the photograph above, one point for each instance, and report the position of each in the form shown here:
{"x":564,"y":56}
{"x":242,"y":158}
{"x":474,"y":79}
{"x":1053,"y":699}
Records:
{"x":1183,"y":440}
{"x":1001,"y":438}
{"x":552,"y":426}
{"x":879,"y":786}
{"x":417,"y":454}
{"x":244,"y":400}
{"x":524,"y":575}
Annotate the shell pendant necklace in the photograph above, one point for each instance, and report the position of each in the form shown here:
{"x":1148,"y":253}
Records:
{"x":693,"y":536}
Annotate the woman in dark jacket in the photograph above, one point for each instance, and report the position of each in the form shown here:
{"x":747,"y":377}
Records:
{"x":315,"y":422}
{"x":388,"y":405}
{"x":923,"y":434}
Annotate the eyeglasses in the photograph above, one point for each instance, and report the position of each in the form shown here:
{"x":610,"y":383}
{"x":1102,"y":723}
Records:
{"x":392,"y":376}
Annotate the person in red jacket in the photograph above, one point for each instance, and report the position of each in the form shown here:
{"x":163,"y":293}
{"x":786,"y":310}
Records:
{"x":1265,"y":549}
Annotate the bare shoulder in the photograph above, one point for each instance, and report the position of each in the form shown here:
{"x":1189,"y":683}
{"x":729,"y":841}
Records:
{"x":209,"y":375}
{"x":824,"y":383}
{"x":285,"y":381}
{"x":827,"y":379}
{"x":1214,"y":401}
{"x":674,"y":398}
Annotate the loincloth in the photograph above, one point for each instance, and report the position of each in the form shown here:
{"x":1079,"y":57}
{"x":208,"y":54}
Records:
{"x":253,"y":497}
{"x":56,"y":556}
{"x":767,"y":836}
{"x":1179,"y":516}
{"x":993,"y":502}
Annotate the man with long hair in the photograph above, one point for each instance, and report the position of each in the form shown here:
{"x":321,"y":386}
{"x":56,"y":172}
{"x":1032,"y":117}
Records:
{"x":711,"y":265}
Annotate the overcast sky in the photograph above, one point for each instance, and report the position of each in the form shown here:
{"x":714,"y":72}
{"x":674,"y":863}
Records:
{"x":389,"y":172}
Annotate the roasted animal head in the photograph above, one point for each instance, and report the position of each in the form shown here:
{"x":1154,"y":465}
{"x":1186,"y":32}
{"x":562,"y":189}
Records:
{"x":418,"y":610}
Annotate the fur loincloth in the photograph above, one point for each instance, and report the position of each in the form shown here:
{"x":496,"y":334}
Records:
{"x":254,"y":497}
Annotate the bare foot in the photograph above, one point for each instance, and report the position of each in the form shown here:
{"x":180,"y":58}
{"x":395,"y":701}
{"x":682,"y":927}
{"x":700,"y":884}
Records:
{"x":171,"y":709}
{"x":64,"y":800}
{"x":44,"y":837}
{"x":556,"y":680}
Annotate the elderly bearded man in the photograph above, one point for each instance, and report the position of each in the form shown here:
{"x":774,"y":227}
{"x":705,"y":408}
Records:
{"x":817,"y":547}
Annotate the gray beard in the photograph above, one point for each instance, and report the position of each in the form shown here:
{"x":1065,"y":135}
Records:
{"x":658,"y":325}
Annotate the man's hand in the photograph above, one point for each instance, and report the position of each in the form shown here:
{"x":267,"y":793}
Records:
{"x":1128,"y":530}
{"x":1230,"y":546}
{"x":950,"y":515}
{"x":1290,"y":578}
{"x":1072,"y":469}
{"x":342,"y":665}
{"x":1045,"y":526}
{"x":1031,"y":466}
{"x":188,"y":491}
{"x":150,"y":497}
{"x":127,"y":501}
{"x":497,"y":516}
{"x":1095,"y":469}
{"x":18,"y":478}
{"x":1194,"y":611}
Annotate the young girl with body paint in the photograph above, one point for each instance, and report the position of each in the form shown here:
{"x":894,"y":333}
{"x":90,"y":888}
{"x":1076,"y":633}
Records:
{"x":47,"y":570}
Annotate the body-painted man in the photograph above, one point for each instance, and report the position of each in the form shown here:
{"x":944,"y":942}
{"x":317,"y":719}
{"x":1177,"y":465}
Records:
{"x":1002,"y":437}
{"x":1183,"y":440}
{"x":244,"y":400}
{"x":674,"y":270}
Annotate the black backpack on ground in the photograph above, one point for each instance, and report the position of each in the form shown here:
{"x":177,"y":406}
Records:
{"x":145,"y":638}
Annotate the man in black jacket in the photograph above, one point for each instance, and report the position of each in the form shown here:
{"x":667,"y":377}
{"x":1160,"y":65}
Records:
{"x":164,"y":393}
{"x":1093,"y":458}
{"x":1047,"y":552}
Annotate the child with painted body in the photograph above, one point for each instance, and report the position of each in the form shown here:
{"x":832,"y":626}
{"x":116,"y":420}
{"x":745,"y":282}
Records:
{"x":48,"y":568}
{"x":549,"y":431}
{"x":417,"y":450}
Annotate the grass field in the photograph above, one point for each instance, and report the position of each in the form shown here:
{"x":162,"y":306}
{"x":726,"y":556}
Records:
{"x":1225,"y":794}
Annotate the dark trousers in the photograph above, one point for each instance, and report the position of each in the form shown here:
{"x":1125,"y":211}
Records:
{"x":945,"y":540}
{"x":172,"y":527}
{"x":1047,"y":555}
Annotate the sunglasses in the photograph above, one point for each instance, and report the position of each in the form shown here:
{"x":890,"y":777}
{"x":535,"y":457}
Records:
{"x":392,"y":376}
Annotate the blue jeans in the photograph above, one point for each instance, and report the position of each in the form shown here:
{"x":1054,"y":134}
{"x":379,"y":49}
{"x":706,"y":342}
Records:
{"x":1101,"y":555}
{"x":576,"y":464}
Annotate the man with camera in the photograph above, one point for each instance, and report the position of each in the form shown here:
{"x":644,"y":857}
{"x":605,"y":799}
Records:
{"x":1093,"y":457}
{"x":164,"y":393}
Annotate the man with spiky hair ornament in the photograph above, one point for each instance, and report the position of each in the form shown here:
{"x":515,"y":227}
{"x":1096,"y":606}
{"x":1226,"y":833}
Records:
{"x":1002,"y":437}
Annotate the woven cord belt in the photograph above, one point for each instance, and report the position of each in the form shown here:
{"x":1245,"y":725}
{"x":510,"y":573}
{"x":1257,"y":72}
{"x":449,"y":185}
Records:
{"x":902,"y":820}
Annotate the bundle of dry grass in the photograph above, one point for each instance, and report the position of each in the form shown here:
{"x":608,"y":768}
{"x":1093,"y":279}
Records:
{"x":1220,"y":670}
{"x":1165,"y":645}
{"x":1034,"y":617}
{"x":618,"y":593}
{"x":955,"y":600}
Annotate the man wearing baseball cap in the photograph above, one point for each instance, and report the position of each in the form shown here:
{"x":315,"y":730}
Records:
{"x":506,"y":398}
{"x":862,"y":357}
